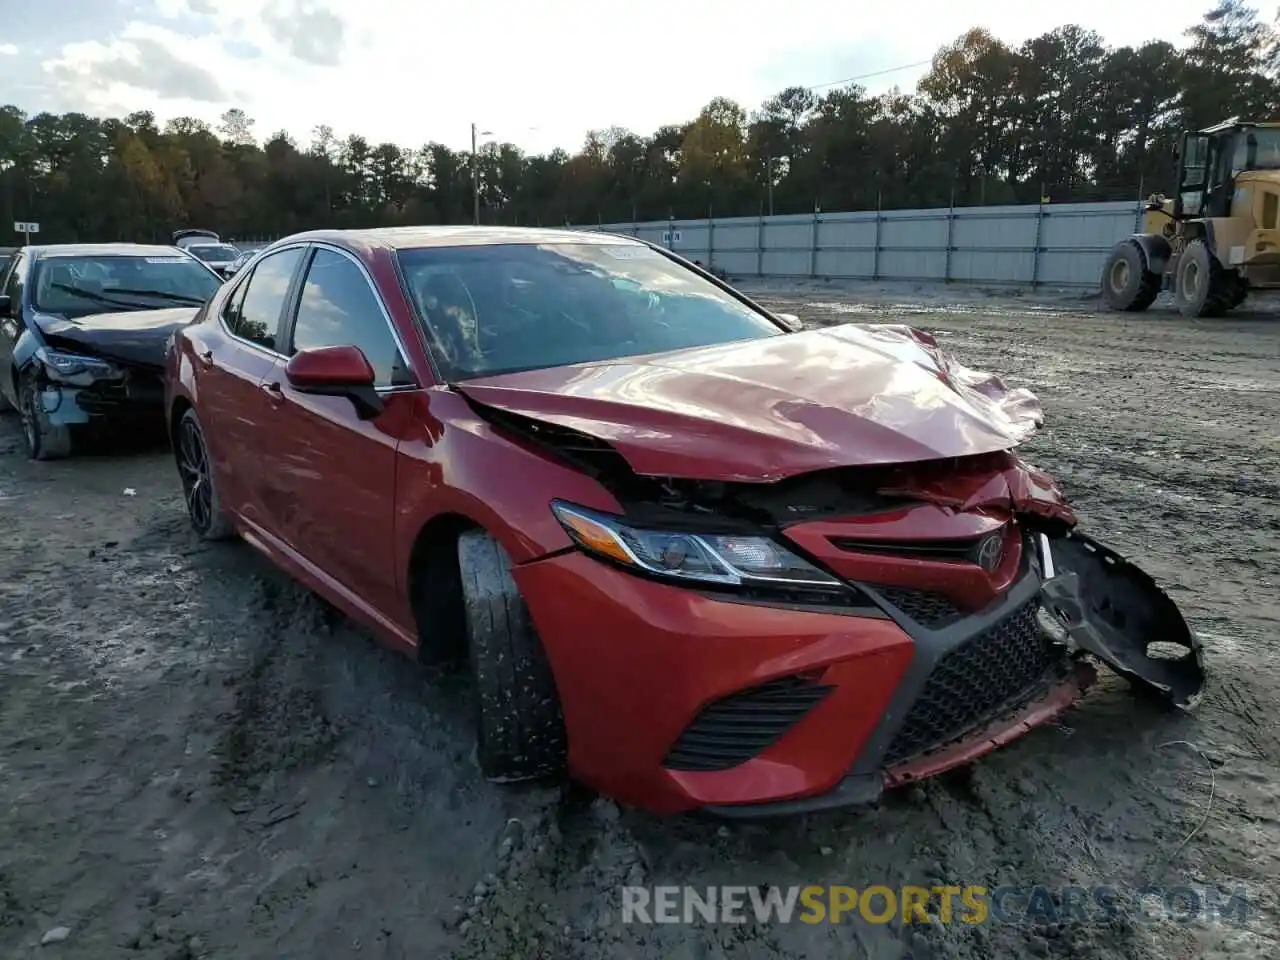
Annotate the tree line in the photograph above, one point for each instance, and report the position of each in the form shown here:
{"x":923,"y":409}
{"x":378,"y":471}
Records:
{"x":1062,"y":115}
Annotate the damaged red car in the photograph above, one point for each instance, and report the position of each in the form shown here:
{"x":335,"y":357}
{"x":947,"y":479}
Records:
{"x":696,"y":556}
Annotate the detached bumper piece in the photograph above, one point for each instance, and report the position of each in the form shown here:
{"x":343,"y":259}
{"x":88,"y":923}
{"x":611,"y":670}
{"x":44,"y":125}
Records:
{"x":741,"y":726}
{"x":1106,"y":606}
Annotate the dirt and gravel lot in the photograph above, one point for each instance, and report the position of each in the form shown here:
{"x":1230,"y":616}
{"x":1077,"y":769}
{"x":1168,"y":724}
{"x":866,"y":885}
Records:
{"x":200,"y":759}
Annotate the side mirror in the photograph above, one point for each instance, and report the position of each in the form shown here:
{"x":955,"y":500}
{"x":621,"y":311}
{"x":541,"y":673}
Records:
{"x":791,"y":321}
{"x":342,"y":371}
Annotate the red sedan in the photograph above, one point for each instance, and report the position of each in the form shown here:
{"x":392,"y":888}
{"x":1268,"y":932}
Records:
{"x":696,"y":557}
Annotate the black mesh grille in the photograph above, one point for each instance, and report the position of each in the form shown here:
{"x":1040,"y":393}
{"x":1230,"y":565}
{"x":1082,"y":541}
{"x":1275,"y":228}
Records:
{"x":737,"y":728}
{"x":925,"y":607}
{"x":976,"y":682}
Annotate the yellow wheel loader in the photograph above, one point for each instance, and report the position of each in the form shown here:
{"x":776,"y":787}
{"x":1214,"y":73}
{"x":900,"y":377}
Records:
{"x":1218,"y":237}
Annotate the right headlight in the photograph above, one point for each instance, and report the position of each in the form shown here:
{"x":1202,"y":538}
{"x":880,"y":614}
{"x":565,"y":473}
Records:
{"x":712,"y":559}
{"x":59,"y":363}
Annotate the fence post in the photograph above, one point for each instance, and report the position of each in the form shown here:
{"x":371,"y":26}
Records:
{"x":671,"y":232}
{"x":813,"y":245}
{"x":1137,"y":214}
{"x":760,"y":246}
{"x":951,"y":230}
{"x":711,"y":237}
{"x":1035,"y":257}
{"x":875,"y":249}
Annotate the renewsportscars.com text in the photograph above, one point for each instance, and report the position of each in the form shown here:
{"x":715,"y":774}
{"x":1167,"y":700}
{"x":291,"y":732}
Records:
{"x":969,"y":904}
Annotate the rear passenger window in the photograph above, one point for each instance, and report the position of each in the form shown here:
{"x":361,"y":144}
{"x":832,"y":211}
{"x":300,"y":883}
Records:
{"x":253,"y":310}
{"x":338,"y":307}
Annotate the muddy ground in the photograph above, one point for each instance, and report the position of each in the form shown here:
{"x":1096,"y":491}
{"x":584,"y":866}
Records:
{"x":199,"y":759}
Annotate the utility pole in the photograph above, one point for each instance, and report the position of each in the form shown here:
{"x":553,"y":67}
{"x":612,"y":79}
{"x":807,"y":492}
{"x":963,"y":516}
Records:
{"x":770,"y":174}
{"x":475,"y":180}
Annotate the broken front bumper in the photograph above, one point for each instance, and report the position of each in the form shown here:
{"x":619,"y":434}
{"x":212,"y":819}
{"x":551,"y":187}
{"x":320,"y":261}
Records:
{"x":1088,"y":600}
{"x":104,"y":394}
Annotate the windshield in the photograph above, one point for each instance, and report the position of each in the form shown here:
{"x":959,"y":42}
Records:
{"x":1257,"y":149}
{"x":214,"y":252}
{"x":500,"y":308}
{"x":79,"y":286}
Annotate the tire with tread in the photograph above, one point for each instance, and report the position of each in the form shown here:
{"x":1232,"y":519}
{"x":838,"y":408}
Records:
{"x":1127,"y":281}
{"x":218,"y":525}
{"x":1239,"y":293}
{"x":519,"y":726}
{"x":45,"y":440}
{"x":1203,"y":288}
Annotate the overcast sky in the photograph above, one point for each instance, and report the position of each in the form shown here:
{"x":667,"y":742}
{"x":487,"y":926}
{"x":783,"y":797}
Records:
{"x":536,"y":74}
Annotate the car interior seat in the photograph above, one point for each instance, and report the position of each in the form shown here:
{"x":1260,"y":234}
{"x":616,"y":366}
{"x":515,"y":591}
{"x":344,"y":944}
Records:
{"x":451,"y":313}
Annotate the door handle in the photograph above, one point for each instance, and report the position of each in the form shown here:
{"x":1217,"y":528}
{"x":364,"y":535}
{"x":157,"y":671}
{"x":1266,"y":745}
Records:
{"x":206,"y":357}
{"x":274,"y":390}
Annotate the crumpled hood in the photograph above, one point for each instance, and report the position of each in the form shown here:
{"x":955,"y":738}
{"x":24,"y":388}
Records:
{"x":762,"y":410}
{"x":136,"y":336}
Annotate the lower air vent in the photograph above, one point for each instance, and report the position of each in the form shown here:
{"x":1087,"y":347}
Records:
{"x":733,"y":730}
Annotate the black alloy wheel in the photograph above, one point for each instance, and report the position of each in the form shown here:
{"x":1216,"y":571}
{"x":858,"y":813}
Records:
{"x":199,"y":487}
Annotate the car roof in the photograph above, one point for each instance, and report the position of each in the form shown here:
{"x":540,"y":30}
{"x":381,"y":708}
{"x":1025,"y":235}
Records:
{"x":404,"y":238}
{"x":103,"y":250}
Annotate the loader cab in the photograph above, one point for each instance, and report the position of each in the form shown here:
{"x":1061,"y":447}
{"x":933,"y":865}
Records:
{"x":1205,"y":182}
{"x":1210,"y":160}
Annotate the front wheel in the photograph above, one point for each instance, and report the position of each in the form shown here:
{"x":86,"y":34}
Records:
{"x":1127,"y":284}
{"x":46,"y":440}
{"x":199,"y":485}
{"x":1203,"y":288}
{"x":519,"y":727}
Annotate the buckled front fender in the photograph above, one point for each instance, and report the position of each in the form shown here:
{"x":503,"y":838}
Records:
{"x":1099,"y":602}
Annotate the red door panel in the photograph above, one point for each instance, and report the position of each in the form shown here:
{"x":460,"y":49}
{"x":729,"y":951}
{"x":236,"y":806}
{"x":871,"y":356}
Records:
{"x":234,"y":415}
{"x":329,"y":487}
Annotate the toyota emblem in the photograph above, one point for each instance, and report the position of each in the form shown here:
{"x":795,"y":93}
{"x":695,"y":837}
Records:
{"x":991,"y":552}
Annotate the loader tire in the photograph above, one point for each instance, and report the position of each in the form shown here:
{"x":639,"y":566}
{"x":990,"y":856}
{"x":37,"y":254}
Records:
{"x":1127,"y":281}
{"x":1202,"y":287}
{"x":1239,"y":292}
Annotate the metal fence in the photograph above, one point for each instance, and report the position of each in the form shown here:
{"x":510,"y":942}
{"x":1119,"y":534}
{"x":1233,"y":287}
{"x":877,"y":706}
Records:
{"x":1061,"y":245}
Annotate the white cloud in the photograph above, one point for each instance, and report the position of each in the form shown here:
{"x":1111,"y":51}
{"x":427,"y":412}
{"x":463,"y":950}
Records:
{"x":8,"y":50}
{"x":413,"y":72}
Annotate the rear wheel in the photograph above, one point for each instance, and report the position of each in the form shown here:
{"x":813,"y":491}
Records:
{"x":1239,"y":292}
{"x":1203,"y":288}
{"x":519,"y":727}
{"x":1127,"y":283}
{"x":199,"y":486}
{"x":45,"y":440}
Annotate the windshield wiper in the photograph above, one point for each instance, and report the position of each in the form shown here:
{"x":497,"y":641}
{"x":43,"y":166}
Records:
{"x":164,"y":295}
{"x":95,"y":297}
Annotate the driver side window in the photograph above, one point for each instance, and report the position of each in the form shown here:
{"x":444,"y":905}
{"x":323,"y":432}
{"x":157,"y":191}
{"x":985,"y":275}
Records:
{"x":339,"y":307}
{"x":252,"y":312}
